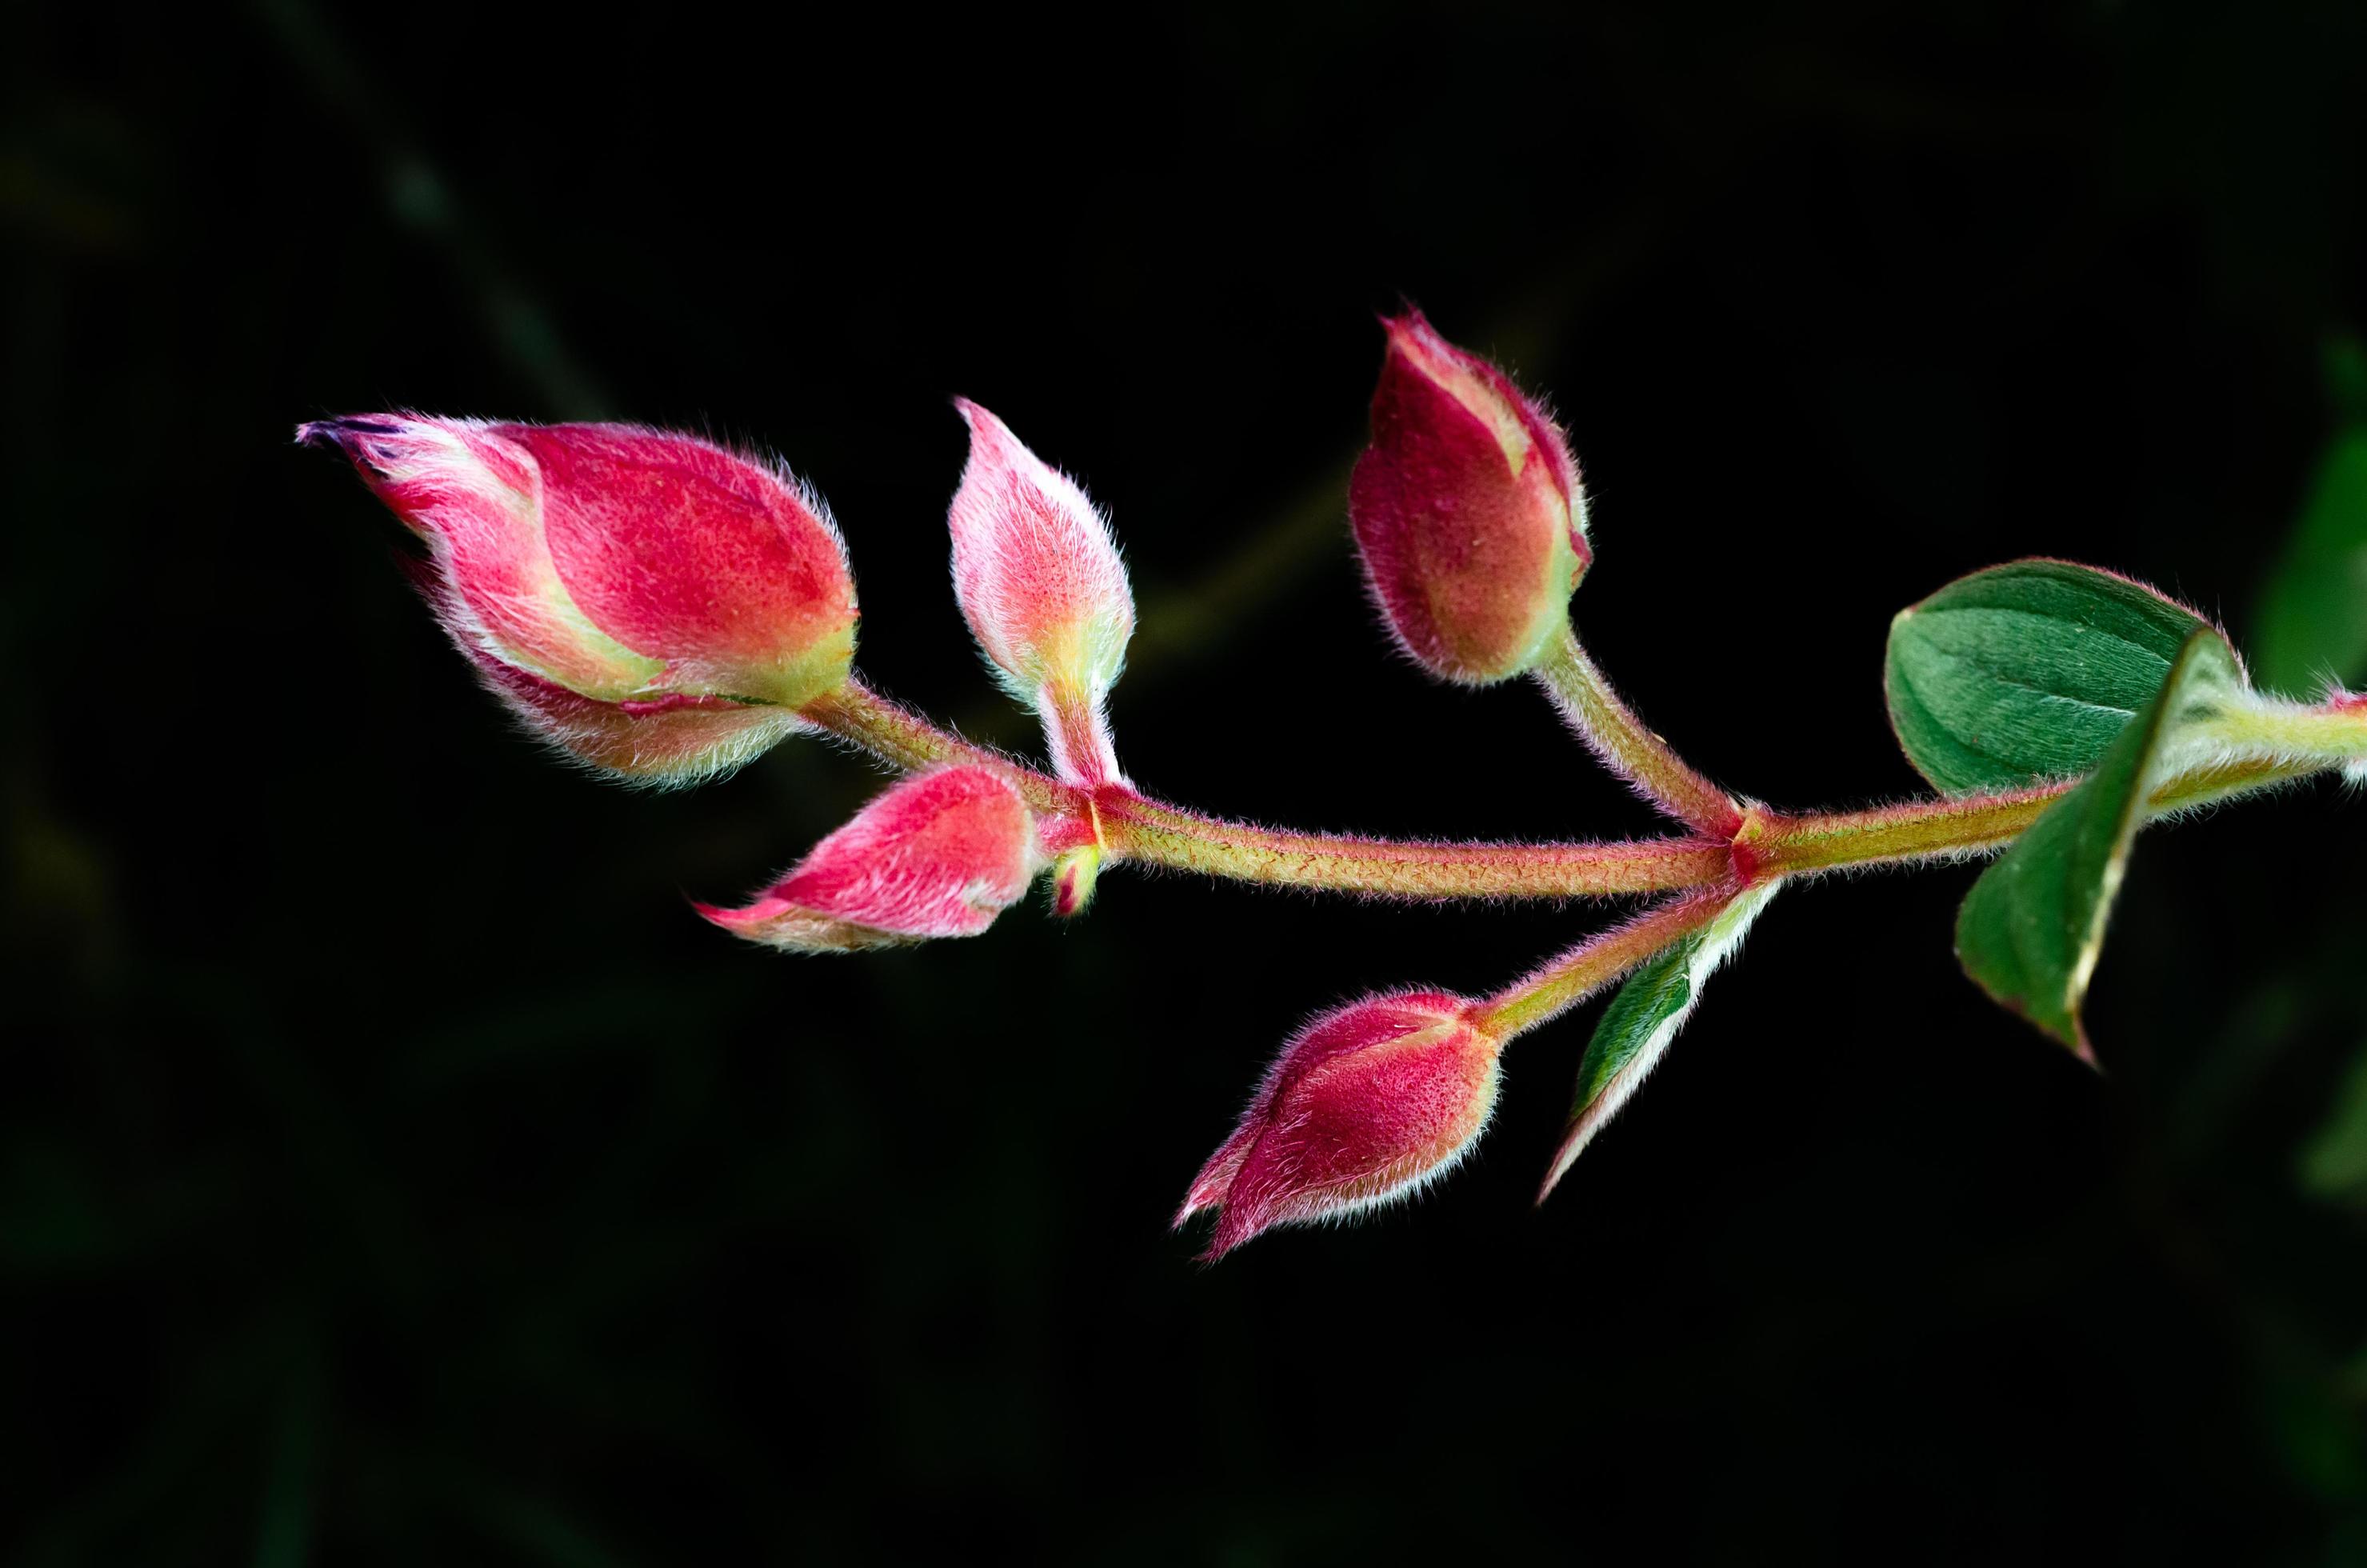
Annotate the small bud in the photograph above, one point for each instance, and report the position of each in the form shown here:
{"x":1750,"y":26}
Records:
{"x":936,"y":855}
{"x":1074,"y":876}
{"x":1467,"y":510}
{"x":1363,"y":1107}
{"x":606,"y":580}
{"x":1042,"y":589}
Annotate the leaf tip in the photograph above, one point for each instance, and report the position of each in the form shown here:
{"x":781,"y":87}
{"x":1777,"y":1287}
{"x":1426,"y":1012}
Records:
{"x":1564,"y":1157}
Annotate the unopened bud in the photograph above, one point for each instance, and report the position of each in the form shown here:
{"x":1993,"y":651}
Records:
{"x":1364,"y":1105}
{"x":606,"y":580}
{"x":1074,"y":876}
{"x":1466,"y":510}
{"x":1042,"y":589}
{"x":936,"y":855}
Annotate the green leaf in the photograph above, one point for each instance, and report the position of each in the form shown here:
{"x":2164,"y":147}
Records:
{"x":2031,"y":930}
{"x":2026,"y":672}
{"x":2311,"y":622}
{"x":1635,"y":1029}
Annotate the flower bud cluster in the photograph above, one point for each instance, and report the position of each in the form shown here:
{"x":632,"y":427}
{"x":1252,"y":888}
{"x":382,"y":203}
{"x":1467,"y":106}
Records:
{"x":665,"y":609}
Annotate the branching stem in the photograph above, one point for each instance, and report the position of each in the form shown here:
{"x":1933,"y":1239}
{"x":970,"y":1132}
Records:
{"x":2287,"y":743}
{"x":1734,"y":846}
{"x":1596,"y":962}
{"x":1152,"y":833}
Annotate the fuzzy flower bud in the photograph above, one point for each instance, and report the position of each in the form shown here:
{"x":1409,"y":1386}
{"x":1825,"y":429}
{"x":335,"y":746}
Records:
{"x":936,"y":855}
{"x":1467,"y":510}
{"x":1041,"y":585}
{"x":1363,"y":1107}
{"x":654,"y":604}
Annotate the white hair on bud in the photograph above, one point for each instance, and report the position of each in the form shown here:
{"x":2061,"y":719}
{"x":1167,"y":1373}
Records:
{"x":758,"y":456}
{"x":1406,"y":1188}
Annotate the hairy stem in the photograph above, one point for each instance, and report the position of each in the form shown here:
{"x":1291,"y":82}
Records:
{"x":902,"y":738}
{"x":2267,"y":728}
{"x":1134,"y":827}
{"x":1626,"y":746}
{"x":1777,"y":845}
{"x":1919,"y":830}
{"x":1596,"y":962}
{"x":1756,"y":846}
{"x":1159,"y":834}
{"x":1078,"y":735}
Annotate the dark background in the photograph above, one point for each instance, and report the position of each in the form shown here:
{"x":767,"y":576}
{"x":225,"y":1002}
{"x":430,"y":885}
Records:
{"x":392,"y":1169}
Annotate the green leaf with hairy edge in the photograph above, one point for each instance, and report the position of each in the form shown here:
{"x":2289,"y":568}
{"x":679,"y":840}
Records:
{"x":2311,"y":622}
{"x":2026,"y":672}
{"x":1645,"y":1016}
{"x":2030,"y":930}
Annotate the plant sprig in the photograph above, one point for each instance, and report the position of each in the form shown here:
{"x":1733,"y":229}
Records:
{"x":663,"y":611}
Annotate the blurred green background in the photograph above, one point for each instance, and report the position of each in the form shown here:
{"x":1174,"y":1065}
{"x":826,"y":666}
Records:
{"x":392,"y":1169}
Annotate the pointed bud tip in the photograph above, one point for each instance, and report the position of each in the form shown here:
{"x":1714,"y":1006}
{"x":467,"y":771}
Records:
{"x":739,"y":920}
{"x":987,"y":429}
{"x":349,"y":434}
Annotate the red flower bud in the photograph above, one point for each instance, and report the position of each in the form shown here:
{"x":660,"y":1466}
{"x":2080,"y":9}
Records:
{"x":607,"y":579}
{"x":1364,"y":1105}
{"x":1042,"y":589}
{"x":936,"y":855}
{"x":1466,"y":510}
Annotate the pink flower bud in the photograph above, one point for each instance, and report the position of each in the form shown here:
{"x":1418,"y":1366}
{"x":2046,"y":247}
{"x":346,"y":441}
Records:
{"x":1042,"y":589}
{"x":607,"y":579}
{"x":1466,"y":510}
{"x":936,"y":855}
{"x":1364,"y":1105}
